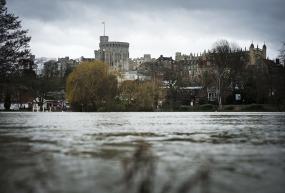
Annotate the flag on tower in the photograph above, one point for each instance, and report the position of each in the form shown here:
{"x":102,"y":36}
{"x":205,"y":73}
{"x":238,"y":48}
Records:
{"x":103,"y":22}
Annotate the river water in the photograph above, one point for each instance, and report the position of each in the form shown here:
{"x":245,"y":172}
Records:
{"x":142,"y":152}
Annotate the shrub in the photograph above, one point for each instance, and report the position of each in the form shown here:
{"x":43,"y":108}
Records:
{"x":207,"y":107}
{"x":253,"y":107}
{"x":229,"y":108}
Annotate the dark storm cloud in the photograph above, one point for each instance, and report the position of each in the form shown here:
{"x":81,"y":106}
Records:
{"x":55,"y":9}
{"x":38,"y":9}
{"x":240,"y":20}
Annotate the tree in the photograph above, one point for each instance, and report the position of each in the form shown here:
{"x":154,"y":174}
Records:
{"x":91,"y":86}
{"x":50,"y":69}
{"x":147,"y":96}
{"x":14,"y":48}
{"x":173,"y":75}
{"x":282,"y":53}
{"x":128,"y":93}
{"x":221,"y":60}
{"x":139,"y":95}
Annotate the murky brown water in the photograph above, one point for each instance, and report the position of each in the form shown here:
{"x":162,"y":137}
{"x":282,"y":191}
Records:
{"x":87,"y":152}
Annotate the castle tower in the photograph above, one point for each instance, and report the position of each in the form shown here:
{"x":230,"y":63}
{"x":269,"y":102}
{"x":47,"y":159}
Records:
{"x":115,"y":54}
{"x":251,"y":54}
{"x":251,"y":46}
{"x":104,"y":39}
{"x":264,"y":51}
{"x":178,"y":56}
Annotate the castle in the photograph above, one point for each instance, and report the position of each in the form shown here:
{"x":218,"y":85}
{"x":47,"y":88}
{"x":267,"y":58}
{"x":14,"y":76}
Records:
{"x":253,"y":56}
{"x":115,"y":54}
{"x":198,"y":63}
{"x":256,"y":55}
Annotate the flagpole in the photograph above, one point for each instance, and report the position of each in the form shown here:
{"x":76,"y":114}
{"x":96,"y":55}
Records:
{"x":104,"y":26}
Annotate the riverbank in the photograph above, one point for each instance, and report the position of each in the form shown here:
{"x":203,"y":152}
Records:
{"x":254,"y":107}
{"x":235,"y":108}
{"x":197,"y":108}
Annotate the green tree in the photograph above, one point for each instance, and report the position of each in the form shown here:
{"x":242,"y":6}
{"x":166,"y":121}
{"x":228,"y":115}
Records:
{"x":14,"y":48}
{"x":139,"y":95}
{"x":91,"y":86}
{"x":147,"y":96}
{"x":128,"y":93}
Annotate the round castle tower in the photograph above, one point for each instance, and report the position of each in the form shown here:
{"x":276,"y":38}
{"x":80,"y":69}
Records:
{"x":116,"y":54}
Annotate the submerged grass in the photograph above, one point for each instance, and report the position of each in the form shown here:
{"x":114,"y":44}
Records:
{"x":140,"y":174}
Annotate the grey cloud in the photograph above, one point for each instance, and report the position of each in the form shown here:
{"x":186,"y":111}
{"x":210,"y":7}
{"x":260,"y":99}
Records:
{"x":37,"y":9}
{"x":242,"y":20}
{"x":52,"y":9}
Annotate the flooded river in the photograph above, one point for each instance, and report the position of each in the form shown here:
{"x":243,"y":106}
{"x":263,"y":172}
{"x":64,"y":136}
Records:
{"x":142,"y":152}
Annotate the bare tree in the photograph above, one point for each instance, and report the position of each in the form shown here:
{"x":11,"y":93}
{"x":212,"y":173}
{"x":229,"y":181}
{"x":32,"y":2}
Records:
{"x":282,"y":53}
{"x":220,"y":58}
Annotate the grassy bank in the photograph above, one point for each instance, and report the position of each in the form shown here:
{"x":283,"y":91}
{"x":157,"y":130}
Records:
{"x":254,"y":108}
{"x":232,"y":108}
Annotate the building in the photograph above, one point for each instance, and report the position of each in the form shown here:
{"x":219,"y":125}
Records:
{"x":256,"y":55}
{"x":200,"y":66}
{"x":83,"y":59}
{"x":191,"y":63}
{"x":115,"y":54}
{"x":134,"y":63}
{"x":65,"y":66}
{"x":200,"y":62}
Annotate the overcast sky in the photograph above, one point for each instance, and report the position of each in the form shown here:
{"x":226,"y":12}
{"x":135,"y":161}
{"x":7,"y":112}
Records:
{"x":72,"y":27}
